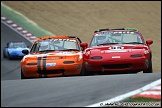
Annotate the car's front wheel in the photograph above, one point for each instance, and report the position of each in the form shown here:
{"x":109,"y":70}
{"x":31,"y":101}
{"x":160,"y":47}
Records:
{"x":22,"y":75}
{"x":149,"y":70}
{"x":9,"y":57}
{"x":83,"y":71}
{"x":4,"y":55}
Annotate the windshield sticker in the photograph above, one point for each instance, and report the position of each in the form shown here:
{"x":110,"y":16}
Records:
{"x":123,"y":32}
{"x":73,"y":40}
{"x":65,"y":53}
{"x":102,"y":33}
{"x":50,"y":40}
{"x":116,"y":48}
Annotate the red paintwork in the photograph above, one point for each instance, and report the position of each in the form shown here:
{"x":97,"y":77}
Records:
{"x":117,"y":60}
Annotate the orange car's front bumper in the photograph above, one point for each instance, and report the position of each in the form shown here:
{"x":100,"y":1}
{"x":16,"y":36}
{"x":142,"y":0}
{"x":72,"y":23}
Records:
{"x":52,"y":71}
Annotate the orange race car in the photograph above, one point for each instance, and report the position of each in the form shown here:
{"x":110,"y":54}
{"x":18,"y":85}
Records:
{"x":52,"y":56}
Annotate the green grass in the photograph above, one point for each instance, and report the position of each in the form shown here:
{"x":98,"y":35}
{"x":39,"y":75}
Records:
{"x":142,"y":99}
{"x":141,"y":102}
{"x":23,"y":21}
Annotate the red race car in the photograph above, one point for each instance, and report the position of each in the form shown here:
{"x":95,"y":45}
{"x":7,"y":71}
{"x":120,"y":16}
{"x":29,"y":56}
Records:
{"x":120,"y":50}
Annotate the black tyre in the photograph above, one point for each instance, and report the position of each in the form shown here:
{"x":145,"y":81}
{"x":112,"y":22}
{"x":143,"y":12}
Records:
{"x":83,"y":71}
{"x":9,"y":56}
{"x":63,"y":75}
{"x":149,"y":70}
{"x":4,"y":55}
{"x":22,"y":75}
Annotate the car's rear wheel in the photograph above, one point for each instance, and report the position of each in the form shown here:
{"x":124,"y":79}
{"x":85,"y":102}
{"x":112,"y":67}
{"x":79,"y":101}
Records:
{"x":149,"y":70}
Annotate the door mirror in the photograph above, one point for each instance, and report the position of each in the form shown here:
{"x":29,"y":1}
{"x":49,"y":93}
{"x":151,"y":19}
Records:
{"x":25,"y":52}
{"x":149,"y":42}
{"x":84,"y":45}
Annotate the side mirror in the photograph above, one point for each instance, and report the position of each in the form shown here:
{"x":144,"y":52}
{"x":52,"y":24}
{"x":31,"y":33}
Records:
{"x":149,"y":42}
{"x":84,"y":45}
{"x":25,"y":52}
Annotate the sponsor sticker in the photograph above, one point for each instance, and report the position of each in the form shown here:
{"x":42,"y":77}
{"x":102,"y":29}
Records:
{"x":115,"y":56}
{"x":65,"y":53}
{"x":50,"y":64}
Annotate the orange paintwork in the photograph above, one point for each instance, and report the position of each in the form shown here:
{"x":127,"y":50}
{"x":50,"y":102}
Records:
{"x":68,"y":62}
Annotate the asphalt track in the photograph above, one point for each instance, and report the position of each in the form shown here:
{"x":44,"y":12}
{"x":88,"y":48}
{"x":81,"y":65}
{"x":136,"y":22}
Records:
{"x":74,"y":91}
{"x":10,"y":68}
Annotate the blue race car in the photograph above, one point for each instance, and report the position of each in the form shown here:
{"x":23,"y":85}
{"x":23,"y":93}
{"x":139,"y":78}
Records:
{"x":14,"y":50}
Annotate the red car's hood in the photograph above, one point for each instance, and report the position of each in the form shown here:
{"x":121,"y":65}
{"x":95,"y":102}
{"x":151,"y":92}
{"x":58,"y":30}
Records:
{"x":117,"y":48}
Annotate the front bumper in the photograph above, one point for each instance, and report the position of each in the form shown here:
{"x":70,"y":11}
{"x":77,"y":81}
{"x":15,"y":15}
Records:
{"x":116,"y":65}
{"x":52,"y":71}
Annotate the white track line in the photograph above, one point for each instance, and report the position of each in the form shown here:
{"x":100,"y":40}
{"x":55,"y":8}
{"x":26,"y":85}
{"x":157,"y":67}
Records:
{"x":15,"y":29}
{"x":127,"y":95}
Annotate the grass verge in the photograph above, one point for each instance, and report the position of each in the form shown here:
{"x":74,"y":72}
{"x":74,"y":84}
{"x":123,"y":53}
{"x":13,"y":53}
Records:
{"x":23,"y":21}
{"x":141,"y":99}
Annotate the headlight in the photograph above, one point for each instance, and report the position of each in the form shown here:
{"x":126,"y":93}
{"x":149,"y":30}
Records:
{"x":145,"y":51}
{"x":87,"y":53}
{"x":23,"y":59}
{"x":80,"y":57}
